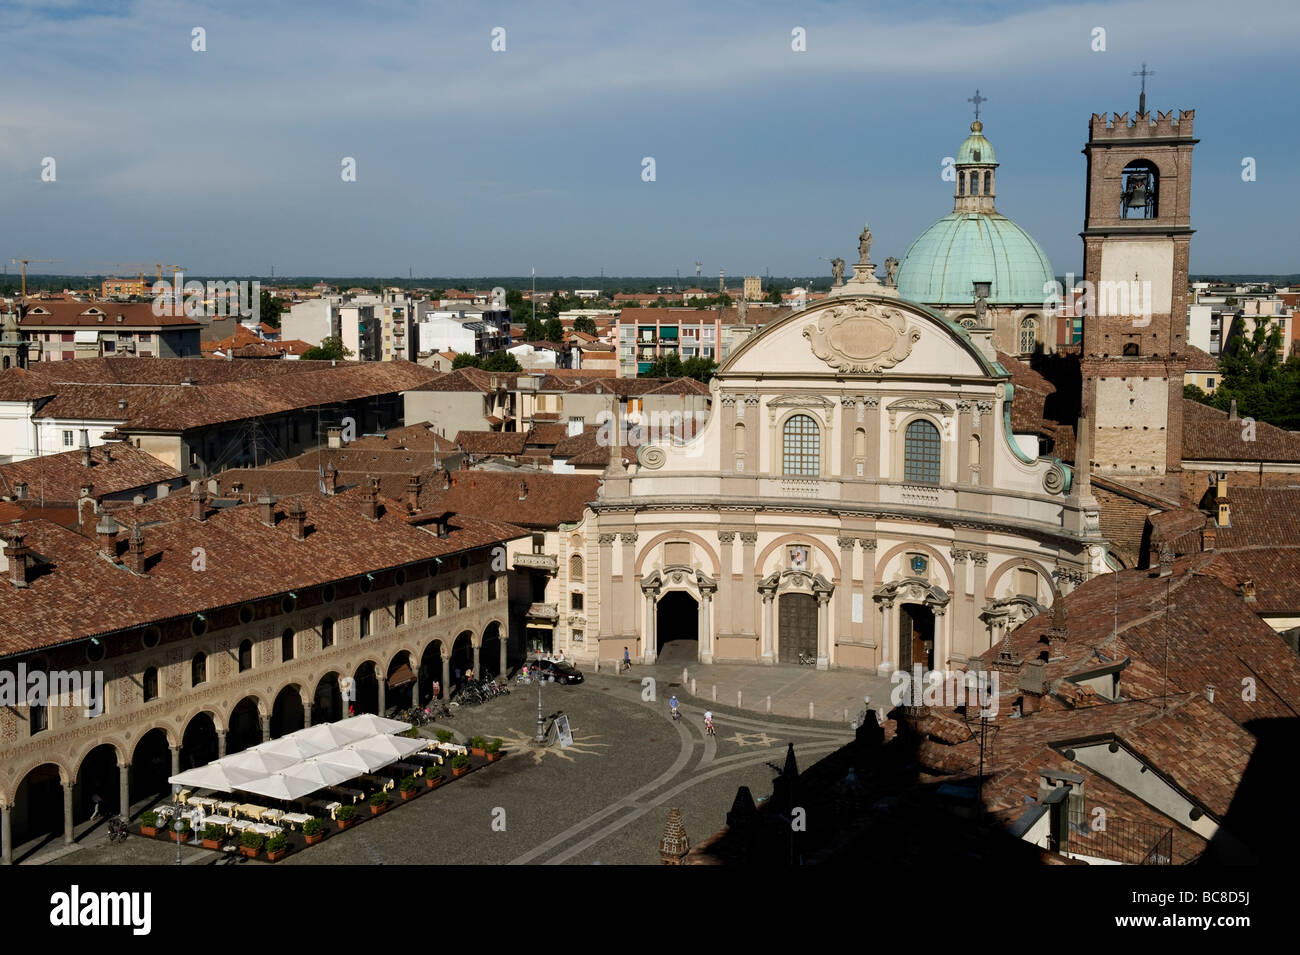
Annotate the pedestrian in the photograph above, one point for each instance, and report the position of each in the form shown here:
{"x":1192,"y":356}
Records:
{"x":97,"y":801}
{"x":560,"y":657}
{"x":708,"y":723}
{"x":627,"y":660}
{"x":437,"y":690}
{"x":672,"y":705}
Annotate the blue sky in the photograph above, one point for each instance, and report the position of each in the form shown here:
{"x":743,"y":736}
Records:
{"x":474,"y":162}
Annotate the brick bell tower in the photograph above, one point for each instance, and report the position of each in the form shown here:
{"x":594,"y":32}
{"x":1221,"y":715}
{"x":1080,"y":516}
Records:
{"x":1136,"y":235}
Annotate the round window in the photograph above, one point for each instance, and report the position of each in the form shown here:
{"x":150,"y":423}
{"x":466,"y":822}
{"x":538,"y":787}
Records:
{"x":328,"y":593}
{"x":151,"y":637}
{"x":365,"y":585}
{"x":401,"y":577}
{"x":95,"y":651}
{"x":246,"y":614}
{"x":287,"y":604}
{"x":198,"y":626}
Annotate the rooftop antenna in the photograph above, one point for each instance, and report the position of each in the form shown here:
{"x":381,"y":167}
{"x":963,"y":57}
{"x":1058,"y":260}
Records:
{"x":1142,"y":98}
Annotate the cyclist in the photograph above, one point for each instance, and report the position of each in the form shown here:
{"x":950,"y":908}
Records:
{"x":672,"y":705}
{"x":708,"y":723}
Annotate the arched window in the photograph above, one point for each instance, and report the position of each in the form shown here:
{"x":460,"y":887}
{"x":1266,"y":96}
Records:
{"x":739,"y":442}
{"x":974,"y":450}
{"x":1028,"y":335}
{"x":399,"y":613}
{"x":801,"y":447}
{"x":1131,"y":349}
{"x":286,"y":645}
{"x":577,"y":569}
{"x":199,"y":669}
{"x":433,"y":603}
{"x":365,"y":622}
{"x":462,"y":596}
{"x":245,"y":656}
{"x":150,"y":683}
{"x":961,"y":184}
{"x":921,"y":453}
{"x":860,"y":443}
{"x":988,"y":181}
{"x":327,"y":633}
{"x":1140,"y":190}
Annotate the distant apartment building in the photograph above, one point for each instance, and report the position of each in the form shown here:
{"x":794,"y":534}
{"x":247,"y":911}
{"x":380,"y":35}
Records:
{"x":753,"y":288}
{"x":647,"y":334}
{"x":63,"y":331}
{"x":125,"y":288}
{"x":467,"y":330}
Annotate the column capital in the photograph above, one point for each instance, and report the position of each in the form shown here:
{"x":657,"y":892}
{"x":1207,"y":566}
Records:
{"x":629,"y":538}
{"x":749,"y":538}
{"x":823,"y":597}
{"x":959,"y":556}
{"x":607,"y":539}
{"x":868,"y":543}
{"x":979,"y":557}
{"x":726,"y":537}
{"x":846,"y":543}
{"x":963,"y":405}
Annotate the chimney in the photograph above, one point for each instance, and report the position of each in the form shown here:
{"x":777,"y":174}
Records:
{"x":1248,"y":591}
{"x":135,"y":551}
{"x":446,"y":480}
{"x":1222,"y":503}
{"x":1058,"y":632}
{"x":331,"y":480}
{"x":1232,"y":410}
{"x":266,"y":507}
{"x":675,"y":844}
{"x":523,"y":490}
{"x":16,"y":553}
{"x":335,"y":437}
{"x":199,"y":503}
{"x":1033,"y":685}
{"x":20,"y":490}
{"x":108,"y":452}
{"x":106,"y":530}
{"x":1008,"y":659}
{"x":1209,"y":692}
{"x":413,"y":493}
{"x":298,"y":519}
{"x":85,"y":511}
{"x":370,"y":499}
{"x":1166,"y":560}
{"x":86,"y":462}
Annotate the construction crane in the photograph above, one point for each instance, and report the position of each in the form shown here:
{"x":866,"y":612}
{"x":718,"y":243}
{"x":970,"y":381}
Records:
{"x":24,"y":261}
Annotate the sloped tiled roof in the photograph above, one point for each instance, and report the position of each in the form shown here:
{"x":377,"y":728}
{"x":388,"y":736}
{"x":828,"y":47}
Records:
{"x":115,"y":468}
{"x":1210,"y":435}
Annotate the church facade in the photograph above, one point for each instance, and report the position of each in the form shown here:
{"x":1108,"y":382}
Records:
{"x":857,"y":499}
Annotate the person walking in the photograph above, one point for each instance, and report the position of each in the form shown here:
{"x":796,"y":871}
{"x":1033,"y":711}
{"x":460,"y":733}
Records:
{"x":708,"y":723}
{"x":627,"y":659}
{"x":97,"y":801}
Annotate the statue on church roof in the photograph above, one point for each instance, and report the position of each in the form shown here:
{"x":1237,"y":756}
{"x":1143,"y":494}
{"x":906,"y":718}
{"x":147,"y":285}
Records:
{"x":837,"y":271}
{"x":864,"y":246}
{"x":891,"y":271}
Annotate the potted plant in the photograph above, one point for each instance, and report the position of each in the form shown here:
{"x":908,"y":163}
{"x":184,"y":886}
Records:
{"x":432,"y":777}
{"x":378,"y":801}
{"x":149,"y":823}
{"x":276,"y":847}
{"x":459,"y":764}
{"x":407,"y":786}
{"x":493,"y":749}
{"x":212,"y":836}
{"x":313,"y":831}
{"x":478,"y":746}
{"x":444,"y":736}
{"x":250,"y":843}
{"x":345,"y":816}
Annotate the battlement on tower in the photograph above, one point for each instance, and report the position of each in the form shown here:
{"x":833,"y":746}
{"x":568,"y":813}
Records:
{"x":1118,"y":127}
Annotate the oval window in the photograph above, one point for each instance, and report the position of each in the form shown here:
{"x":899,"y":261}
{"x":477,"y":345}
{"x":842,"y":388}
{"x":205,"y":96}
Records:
{"x":328,"y":593}
{"x":151,"y":637}
{"x":198,"y":626}
{"x":287,"y":604}
{"x":401,"y":577}
{"x":245,"y":614}
{"x":365,"y":585}
{"x":95,"y":651}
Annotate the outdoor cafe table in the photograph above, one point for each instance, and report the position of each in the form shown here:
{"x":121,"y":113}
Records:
{"x":222,"y":821}
{"x":383,"y":782}
{"x":206,"y":803}
{"x":411,"y":769}
{"x":351,"y":795}
{"x":227,"y":807}
{"x":431,"y":757}
{"x":250,"y":811}
{"x":264,"y":830}
{"x":272,"y":815}
{"x":295,"y":819}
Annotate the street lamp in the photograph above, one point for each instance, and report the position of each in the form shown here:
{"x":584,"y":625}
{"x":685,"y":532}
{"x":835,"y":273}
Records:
{"x":179,"y":823}
{"x":541,"y":722}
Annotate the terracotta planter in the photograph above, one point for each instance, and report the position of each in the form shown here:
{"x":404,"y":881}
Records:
{"x":432,"y":781}
{"x":148,"y":830}
{"x":475,"y":751}
{"x":459,"y":770}
{"x":179,"y":836}
{"x":212,"y":843}
{"x":493,"y":757}
{"x":312,"y":840}
{"x":276,"y":856}
{"x":408,"y":793}
{"x":345,"y":823}
{"x":246,"y":851}
{"x":376,"y":810}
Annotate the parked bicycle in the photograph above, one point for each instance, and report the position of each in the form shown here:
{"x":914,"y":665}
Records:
{"x":117,"y":829}
{"x":807,"y":659}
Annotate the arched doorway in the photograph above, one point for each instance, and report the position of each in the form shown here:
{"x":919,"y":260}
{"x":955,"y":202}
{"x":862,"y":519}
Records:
{"x":430,"y":670}
{"x":677,"y":625}
{"x":97,"y":776}
{"x":286,"y":713}
{"x":401,"y":680}
{"x":491,"y":656}
{"x":199,"y":743}
{"x":915,"y":637}
{"x":327,"y":704}
{"x":245,"y":726}
{"x":462,"y":656}
{"x":38,"y":806}
{"x":796,"y":627}
{"x":365,"y":689}
{"x":151,"y":764}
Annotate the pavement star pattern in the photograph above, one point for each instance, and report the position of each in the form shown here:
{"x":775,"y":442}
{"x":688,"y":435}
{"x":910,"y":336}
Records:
{"x":751,"y":739}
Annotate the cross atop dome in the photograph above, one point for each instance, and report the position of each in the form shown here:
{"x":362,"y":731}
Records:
{"x":977,"y":99}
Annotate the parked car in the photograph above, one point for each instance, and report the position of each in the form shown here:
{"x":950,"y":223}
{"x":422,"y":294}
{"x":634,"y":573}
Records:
{"x":560,"y":672}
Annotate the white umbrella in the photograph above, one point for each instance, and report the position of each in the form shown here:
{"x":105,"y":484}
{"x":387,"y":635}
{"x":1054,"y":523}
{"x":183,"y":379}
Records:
{"x":390,"y":748}
{"x":258,"y":761}
{"x":294,"y":746}
{"x":279,"y":786}
{"x":348,"y":761}
{"x":216,"y":776}
{"x":334,"y":735}
{"x":374,"y":725}
{"x":318,"y":773}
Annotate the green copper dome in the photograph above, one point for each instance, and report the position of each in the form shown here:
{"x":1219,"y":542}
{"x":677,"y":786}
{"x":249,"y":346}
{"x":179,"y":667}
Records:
{"x":976,"y":149}
{"x":966,"y":247}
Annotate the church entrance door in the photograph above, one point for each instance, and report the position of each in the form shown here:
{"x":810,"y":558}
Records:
{"x":915,"y":637}
{"x":797,"y":627}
